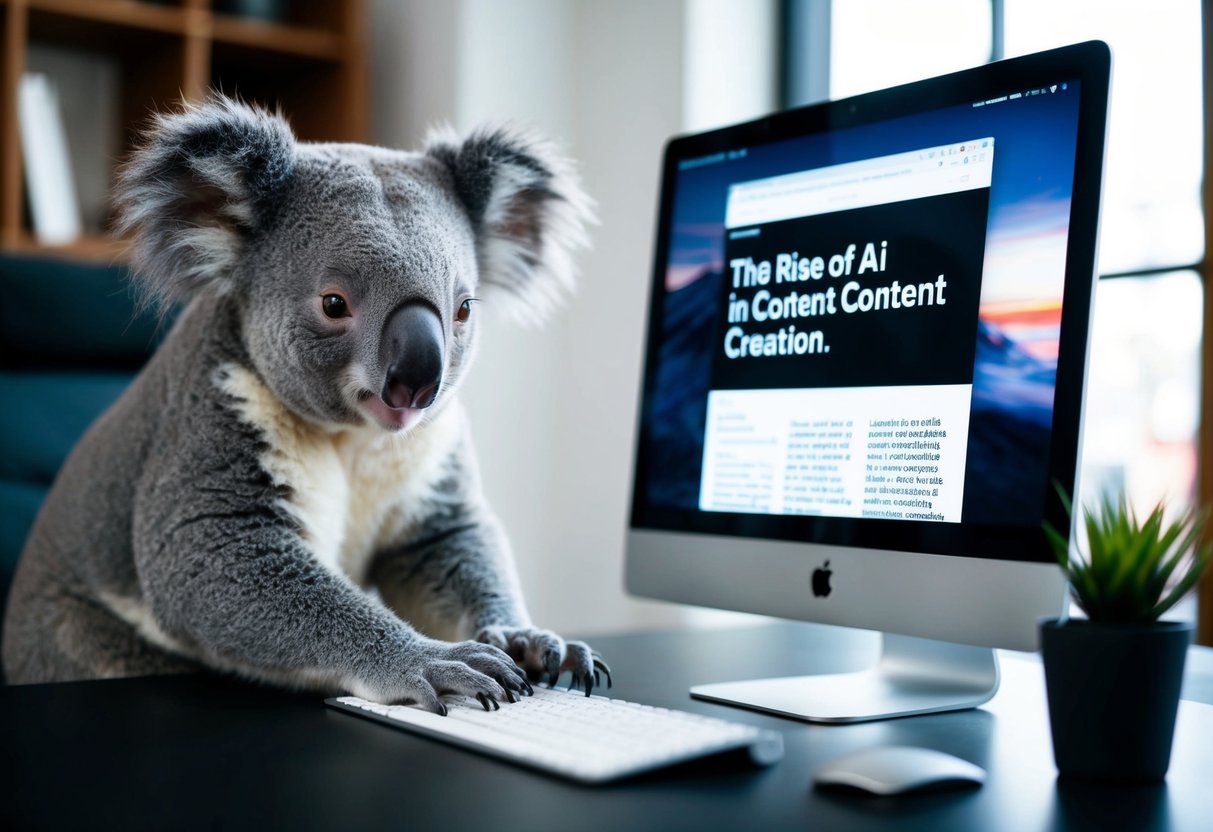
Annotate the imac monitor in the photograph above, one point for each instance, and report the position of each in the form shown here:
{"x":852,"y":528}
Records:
{"x":867,"y":340}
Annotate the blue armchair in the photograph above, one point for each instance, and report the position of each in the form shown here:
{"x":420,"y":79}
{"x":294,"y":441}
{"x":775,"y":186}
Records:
{"x":70,"y":342}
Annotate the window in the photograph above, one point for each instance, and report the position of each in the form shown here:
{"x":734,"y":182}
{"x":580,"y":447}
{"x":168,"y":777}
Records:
{"x":947,"y":35}
{"x":1152,"y":214}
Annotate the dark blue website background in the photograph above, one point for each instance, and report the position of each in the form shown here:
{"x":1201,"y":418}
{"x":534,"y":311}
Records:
{"x":1011,"y":417}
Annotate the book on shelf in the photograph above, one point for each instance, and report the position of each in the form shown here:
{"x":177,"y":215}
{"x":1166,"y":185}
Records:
{"x":54,"y":204}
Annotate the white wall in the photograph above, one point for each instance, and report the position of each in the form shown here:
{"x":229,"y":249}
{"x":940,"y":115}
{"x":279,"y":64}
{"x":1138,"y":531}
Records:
{"x":730,"y":61}
{"x":554,"y":409}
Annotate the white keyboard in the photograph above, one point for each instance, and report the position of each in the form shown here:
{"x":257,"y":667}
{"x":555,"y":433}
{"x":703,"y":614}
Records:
{"x":589,"y":739}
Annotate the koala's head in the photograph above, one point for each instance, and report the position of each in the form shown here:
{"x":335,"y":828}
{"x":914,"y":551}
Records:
{"x":355,"y":270}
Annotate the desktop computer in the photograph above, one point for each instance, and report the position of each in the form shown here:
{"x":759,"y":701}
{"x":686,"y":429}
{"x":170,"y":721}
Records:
{"x":863,"y":384}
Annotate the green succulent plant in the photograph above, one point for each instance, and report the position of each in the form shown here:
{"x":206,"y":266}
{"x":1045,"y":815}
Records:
{"x":1133,"y":571}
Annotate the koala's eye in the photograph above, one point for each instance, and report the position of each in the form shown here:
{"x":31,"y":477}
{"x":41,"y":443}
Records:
{"x":464,"y":311}
{"x":335,"y":306}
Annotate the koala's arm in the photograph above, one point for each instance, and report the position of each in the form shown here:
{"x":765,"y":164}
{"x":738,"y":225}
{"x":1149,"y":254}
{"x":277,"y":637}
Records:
{"x":456,"y":573}
{"x":227,"y":577}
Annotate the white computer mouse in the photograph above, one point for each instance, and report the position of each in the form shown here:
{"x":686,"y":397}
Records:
{"x":898,"y":769}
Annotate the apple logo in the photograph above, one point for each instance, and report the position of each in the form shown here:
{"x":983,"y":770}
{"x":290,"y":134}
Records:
{"x":821,"y":580}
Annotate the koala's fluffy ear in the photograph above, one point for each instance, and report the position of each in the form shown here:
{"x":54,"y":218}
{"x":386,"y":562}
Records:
{"x":202,"y":180}
{"x":527,"y":208}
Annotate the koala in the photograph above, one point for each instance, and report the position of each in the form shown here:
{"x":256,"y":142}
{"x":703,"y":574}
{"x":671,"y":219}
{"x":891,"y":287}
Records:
{"x":288,"y":491}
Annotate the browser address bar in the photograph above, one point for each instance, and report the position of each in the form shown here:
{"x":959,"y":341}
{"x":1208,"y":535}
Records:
{"x":930,"y":171}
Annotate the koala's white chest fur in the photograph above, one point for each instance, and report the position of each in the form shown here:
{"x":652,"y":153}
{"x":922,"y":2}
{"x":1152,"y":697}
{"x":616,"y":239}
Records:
{"x":352,"y":492}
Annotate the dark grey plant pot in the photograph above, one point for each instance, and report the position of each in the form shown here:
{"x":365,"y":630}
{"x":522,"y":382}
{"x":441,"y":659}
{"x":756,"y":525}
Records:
{"x":1113,"y":694}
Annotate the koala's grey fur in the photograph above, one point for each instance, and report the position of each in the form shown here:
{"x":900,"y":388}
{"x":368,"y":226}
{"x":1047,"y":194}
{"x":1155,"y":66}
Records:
{"x":240,"y":508}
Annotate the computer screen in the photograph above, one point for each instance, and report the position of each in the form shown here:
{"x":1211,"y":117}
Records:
{"x":868,"y":333}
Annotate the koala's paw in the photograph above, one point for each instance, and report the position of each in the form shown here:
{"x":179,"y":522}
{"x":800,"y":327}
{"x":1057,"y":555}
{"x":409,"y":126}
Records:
{"x":468,"y":668}
{"x":545,"y":655}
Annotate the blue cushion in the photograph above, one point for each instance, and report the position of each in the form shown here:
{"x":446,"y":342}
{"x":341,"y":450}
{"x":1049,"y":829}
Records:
{"x":64,"y":315}
{"x":44,"y":415}
{"x":70,"y":342}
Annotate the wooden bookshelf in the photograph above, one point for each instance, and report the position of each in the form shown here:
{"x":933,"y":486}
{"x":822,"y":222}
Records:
{"x":310,"y":62}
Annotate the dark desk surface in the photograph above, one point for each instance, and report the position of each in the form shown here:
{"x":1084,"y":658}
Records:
{"x":195,"y":751}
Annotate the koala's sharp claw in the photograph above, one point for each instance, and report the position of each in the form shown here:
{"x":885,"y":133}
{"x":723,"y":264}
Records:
{"x":484,"y":701}
{"x":530,"y":691}
{"x":599,"y":664}
{"x":441,"y":709}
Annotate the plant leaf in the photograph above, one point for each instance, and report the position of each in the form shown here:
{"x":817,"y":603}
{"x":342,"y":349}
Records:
{"x":1060,"y":546}
{"x":1134,"y":568}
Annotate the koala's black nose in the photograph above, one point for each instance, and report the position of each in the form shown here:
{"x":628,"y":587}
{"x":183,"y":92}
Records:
{"x":413,"y":349}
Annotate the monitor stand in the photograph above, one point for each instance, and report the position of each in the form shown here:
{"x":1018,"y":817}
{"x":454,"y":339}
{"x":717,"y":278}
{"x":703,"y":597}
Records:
{"x":914,"y":676}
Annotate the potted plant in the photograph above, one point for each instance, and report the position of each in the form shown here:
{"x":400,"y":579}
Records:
{"x":1113,"y":679}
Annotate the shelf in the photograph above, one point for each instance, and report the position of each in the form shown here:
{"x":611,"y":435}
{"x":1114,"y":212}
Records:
{"x":156,"y":53}
{"x":77,"y":20}
{"x":99,"y":248}
{"x":88,"y":24}
{"x":280,"y":38}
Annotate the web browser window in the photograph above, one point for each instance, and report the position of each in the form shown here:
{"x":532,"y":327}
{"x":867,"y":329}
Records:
{"x":848,"y":336}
